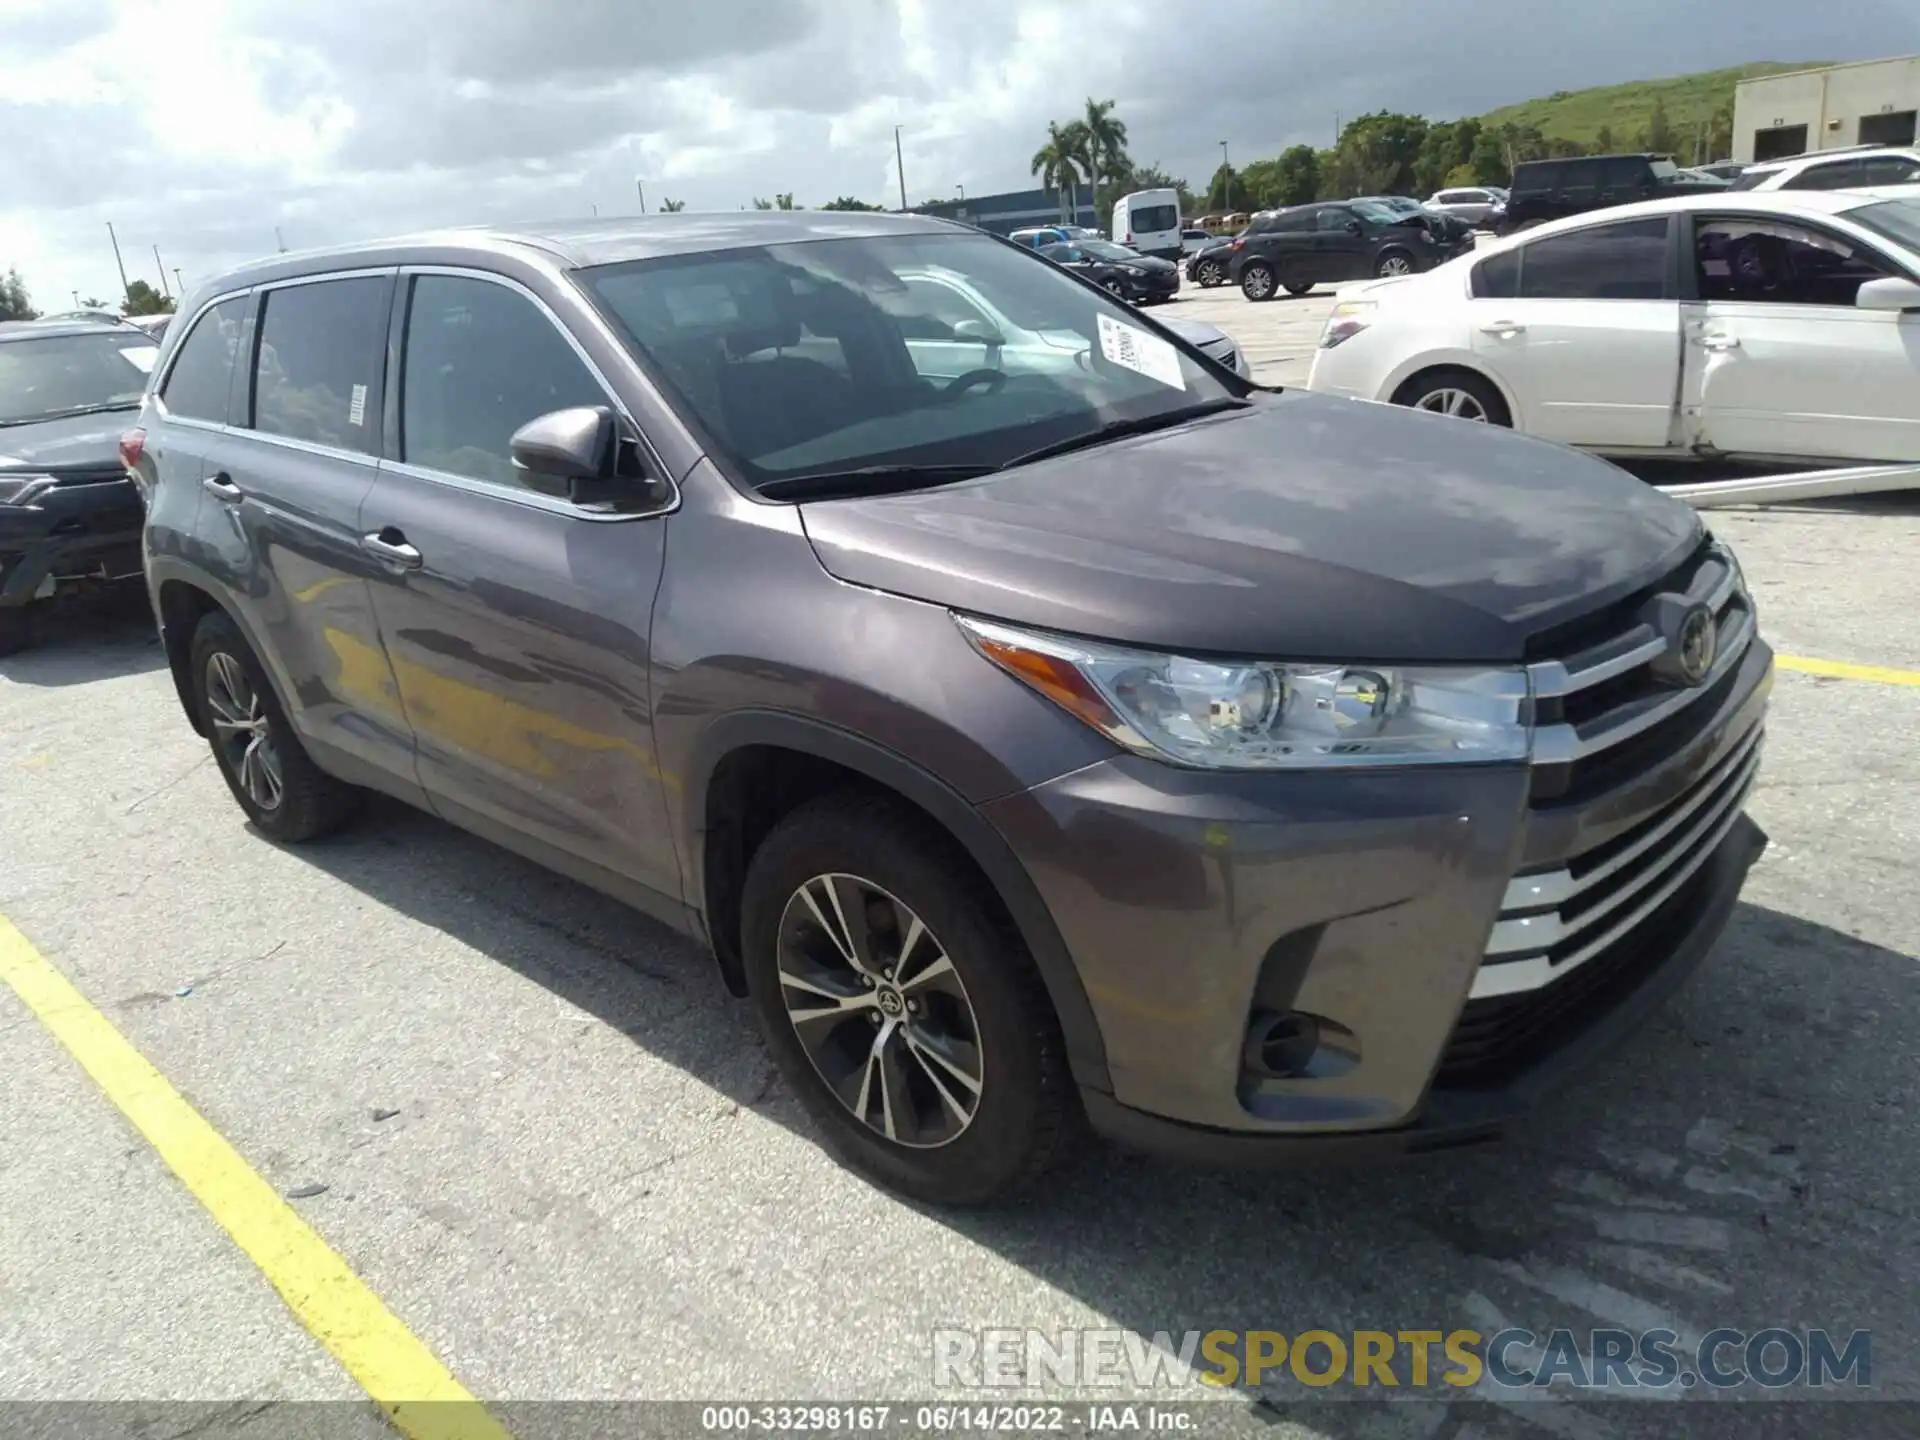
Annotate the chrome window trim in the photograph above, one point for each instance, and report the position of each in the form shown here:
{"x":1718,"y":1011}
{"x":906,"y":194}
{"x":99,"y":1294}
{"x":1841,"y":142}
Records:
{"x":305,"y":447}
{"x":518,"y":494}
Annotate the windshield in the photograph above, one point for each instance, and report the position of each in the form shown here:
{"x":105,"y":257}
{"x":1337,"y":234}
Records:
{"x":1107,"y":250}
{"x":824,"y":356}
{"x":1898,"y":220}
{"x":73,"y":375}
{"x":1377,"y":212}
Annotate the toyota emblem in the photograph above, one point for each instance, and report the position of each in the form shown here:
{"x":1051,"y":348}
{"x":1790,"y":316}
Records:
{"x":1695,"y":644}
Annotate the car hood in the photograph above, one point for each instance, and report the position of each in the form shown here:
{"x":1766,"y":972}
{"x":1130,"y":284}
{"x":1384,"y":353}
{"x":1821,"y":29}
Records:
{"x":1152,"y":263}
{"x":1306,"y":527}
{"x":76,"y":442}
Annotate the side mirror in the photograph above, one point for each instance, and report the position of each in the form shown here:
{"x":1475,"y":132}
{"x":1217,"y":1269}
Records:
{"x":564,"y":445}
{"x":980,"y":332}
{"x":1893,"y":293}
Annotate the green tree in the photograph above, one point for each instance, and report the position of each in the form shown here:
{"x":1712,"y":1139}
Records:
{"x":92,"y":304}
{"x":1720,"y":132}
{"x":760,"y":204}
{"x":785,"y":202}
{"x":1603,"y":141}
{"x":1226,"y":191}
{"x":1299,"y":175}
{"x":847,"y":202}
{"x":1658,"y":136}
{"x":1103,"y":147}
{"x":672,"y":207}
{"x":1057,"y":162}
{"x":15,"y":303}
{"x":143,"y":299}
{"x":1379,"y":154}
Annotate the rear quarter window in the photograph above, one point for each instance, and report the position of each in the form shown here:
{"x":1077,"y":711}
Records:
{"x":198,"y":382}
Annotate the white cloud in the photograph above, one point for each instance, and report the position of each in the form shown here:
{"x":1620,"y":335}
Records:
{"x":201,"y":125}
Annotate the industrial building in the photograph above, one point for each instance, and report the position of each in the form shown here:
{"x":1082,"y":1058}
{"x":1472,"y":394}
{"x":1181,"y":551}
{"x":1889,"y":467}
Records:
{"x":1869,"y":102}
{"x":1015,"y":210}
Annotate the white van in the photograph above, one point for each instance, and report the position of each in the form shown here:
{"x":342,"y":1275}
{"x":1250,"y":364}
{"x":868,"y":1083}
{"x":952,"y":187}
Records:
{"x":1148,"y":221}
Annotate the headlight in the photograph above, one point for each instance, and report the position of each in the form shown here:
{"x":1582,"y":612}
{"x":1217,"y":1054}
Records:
{"x":1346,"y":320}
{"x":1130,"y":270}
{"x":1240,"y":365}
{"x":23,"y":489}
{"x":1259,"y":715}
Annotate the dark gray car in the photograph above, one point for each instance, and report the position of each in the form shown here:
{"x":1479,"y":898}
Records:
{"x":1035,"y":726}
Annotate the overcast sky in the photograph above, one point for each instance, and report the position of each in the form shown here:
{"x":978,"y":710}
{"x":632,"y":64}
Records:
{"x":200,"y":125}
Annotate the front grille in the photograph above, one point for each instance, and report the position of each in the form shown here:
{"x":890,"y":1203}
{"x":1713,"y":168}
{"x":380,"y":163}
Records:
{"x":1572,"y":939}
{"x":1602,"y":714}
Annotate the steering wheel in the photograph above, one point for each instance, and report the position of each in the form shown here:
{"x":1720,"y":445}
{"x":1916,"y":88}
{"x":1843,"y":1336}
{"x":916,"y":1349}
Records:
{"x":994,"y":380}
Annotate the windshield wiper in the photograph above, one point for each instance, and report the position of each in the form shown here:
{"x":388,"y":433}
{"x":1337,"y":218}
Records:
{"x":1119,"y":429}
{"x":73,"y":410}
{"x":868,"y":480}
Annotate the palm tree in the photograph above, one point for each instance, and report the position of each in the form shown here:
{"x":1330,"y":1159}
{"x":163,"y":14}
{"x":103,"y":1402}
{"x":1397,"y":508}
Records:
{"x":1104,"y":141}
{"x":672,"y":207}
{"x":1057,"y":162}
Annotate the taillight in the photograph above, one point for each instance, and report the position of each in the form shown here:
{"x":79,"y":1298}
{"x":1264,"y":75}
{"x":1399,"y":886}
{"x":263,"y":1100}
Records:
{"x":1129,"y":239}
{"x":1238,"y":244}
{"x":133,"y":445}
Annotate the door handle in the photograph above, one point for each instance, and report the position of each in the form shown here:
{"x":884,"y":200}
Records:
{"x":1720,"y":342}
{"x":1503,"y":328}
{"x":391,"y":549}
{"x":221,"y":487}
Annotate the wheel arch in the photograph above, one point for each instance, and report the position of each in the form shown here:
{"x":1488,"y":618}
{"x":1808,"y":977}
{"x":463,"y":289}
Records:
{"x":811,"y":758}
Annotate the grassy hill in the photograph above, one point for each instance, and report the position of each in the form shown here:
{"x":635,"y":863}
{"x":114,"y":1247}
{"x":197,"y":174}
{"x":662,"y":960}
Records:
{"x":1625,"y":109}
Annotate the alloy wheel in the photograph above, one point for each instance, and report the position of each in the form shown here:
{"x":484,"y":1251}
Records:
{"x":880,"y":1011}
{"x":242,"y":732}
{"x":1209,"y":273}
{"x":1258,"y":283}
{"x":1447,"y":401}
{"x":1396,"y":265}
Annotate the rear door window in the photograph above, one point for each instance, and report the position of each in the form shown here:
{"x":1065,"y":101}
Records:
{"x":1154,"y":217}
{"x":202,"y":374}
{"x":1627,"y":261}
{"x":317,"y":374}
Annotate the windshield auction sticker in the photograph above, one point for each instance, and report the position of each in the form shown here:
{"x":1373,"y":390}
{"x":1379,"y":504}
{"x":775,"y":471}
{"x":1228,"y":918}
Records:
{"x":1141,"y":353}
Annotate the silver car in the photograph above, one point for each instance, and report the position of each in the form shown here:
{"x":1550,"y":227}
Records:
{"x":1471,"y":203}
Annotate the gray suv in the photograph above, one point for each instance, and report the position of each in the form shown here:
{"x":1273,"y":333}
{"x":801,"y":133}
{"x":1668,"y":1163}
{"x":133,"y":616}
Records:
{"x":1037,"y":720}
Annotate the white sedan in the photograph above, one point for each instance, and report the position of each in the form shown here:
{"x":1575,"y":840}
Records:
{"x":1766,"y":325}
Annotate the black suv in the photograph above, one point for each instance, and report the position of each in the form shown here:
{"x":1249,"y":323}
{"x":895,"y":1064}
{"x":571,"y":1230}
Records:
{"x":1034,"y":717}
{"x":1142,"y":279}
{"x":69,"y":516}
{"x":1554,"y":189}
{"x":1295,"y":250}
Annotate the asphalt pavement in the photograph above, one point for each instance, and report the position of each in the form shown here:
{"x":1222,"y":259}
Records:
{"x":536,"y":1128}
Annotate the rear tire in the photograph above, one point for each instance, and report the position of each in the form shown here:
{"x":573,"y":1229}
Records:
{"x":950,"y":1086}
{"x":16,"y":628}
{"x":1257,"y":282}
{"x":1299,"y":287}
{"x":286,"y":796}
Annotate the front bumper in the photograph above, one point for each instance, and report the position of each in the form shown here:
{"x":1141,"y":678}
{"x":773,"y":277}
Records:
{"x":72,"y":534}
{"x":1194,"y":903}
{"x":1151,"y":286}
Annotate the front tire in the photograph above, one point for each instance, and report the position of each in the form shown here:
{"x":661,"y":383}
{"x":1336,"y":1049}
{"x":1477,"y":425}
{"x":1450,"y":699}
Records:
{"x":1458,"y":393}
{"x":1210,"y":273}
{"x":1392,"y":263}
{"x":1257,"y":282}
{"x":900,"y":1005}
{"x":286,"y":796}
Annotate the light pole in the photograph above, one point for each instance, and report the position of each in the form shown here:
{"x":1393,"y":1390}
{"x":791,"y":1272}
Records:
{"x":963,"y":191}
{"x":900,"y":167}
{"x":641,"y":186}
{"x":1226,"y":177}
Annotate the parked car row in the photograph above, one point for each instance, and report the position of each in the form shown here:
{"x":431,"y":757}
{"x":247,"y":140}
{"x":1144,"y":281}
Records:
{"x":1773,"y":325}
{"x":1307,"y":245}
{"x":944,"y":645}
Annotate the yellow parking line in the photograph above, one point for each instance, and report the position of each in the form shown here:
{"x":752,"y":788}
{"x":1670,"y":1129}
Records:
{"x":389,"y":1362}
{"x":1841,"y":670}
